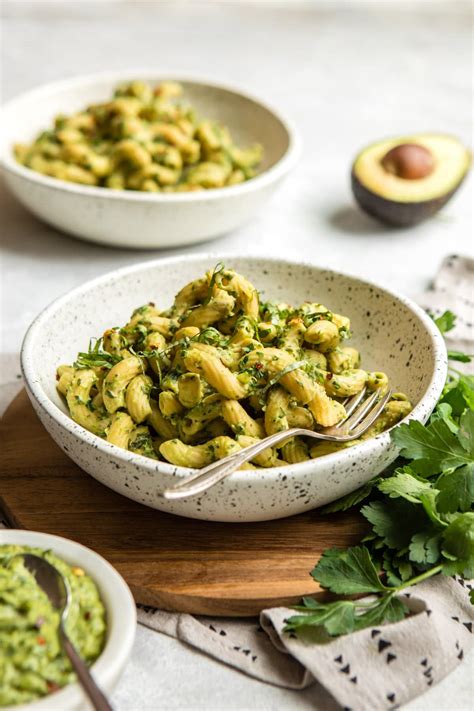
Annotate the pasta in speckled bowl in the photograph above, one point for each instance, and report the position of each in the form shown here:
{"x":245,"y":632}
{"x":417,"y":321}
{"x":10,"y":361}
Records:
{"x":125,"y":160}
{"x":199,"y":371}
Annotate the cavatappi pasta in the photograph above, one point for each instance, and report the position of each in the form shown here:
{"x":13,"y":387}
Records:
{"x":145,"y":139}
{"x":218,"y":371}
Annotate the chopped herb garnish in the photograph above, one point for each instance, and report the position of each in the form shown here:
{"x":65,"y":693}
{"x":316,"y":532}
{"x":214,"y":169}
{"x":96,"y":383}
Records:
{"x":289,"y":369}
{"x":96,"y":356}
{"x":215,"y":273}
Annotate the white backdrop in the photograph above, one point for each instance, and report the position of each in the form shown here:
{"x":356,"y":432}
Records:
{"x":347,"y":73}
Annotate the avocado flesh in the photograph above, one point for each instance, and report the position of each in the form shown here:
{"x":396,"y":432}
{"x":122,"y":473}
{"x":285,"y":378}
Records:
{"x":402,"y":202}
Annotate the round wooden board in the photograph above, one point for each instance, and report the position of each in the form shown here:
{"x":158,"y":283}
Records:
{"x":169,"y":562}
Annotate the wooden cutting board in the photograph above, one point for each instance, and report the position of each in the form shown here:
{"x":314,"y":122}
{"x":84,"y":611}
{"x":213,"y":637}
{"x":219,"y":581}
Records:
{"x":170,"y":562}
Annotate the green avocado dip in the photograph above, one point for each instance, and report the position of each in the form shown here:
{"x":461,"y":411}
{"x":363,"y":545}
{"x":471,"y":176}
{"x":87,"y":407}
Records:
{"x":32,"y":663}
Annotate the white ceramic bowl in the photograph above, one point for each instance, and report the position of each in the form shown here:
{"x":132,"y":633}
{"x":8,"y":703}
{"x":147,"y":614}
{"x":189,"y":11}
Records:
{"x":392,"y":333}
{"x":121,"y":617}
{"x":125,"y":218}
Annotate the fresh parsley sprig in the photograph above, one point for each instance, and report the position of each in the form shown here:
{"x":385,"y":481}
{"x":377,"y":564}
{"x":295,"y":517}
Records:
{"x":420,"y":513}
{"x":352,"y":572}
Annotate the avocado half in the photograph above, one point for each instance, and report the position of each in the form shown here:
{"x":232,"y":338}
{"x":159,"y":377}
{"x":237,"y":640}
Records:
{"x":403,"y":181}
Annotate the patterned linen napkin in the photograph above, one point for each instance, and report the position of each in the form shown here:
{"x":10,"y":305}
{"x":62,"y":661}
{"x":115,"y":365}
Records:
{"x":453,"y":289}
{"x":376,"y":668}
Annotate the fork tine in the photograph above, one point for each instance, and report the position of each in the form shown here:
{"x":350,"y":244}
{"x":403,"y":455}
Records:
{"x":361,"y":411}
{"x":372,"y":415}
{"x":350,"y":403}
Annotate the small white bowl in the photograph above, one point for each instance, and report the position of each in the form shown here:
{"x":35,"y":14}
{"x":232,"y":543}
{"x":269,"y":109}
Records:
{"x":125,"y":218}
{"x":120,"y":609}
{"x":392,"y":333}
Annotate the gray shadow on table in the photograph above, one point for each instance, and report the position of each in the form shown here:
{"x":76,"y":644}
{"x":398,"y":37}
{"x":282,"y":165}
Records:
{"x":23,"y":233}
{"x":350,"y":220}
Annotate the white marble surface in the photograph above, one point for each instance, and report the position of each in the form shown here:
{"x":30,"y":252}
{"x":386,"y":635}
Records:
{"x":348,"y":73}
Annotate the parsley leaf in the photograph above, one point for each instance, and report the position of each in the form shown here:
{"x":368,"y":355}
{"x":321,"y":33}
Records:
{"x":461,"y":357}
{"x":446,"y":321}
{"x":466,"y":432}
{"x":424,"y":547}
{"x":348,"y":572}
{"x":456,"y":490}
{"x":458,"y":546}
{"x":459,"y":394}
{"x":435,"y":442}
{"x":349,"y":500}
{"x":444,"y":411}
{"x":396,"y":567}
{"x":385,"y":518}
{"x":388,"y":609}
{"x":406,"y":486}
{"x":337,"y":617}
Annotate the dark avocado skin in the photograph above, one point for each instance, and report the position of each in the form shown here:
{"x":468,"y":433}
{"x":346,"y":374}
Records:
{"x":398,"y":214}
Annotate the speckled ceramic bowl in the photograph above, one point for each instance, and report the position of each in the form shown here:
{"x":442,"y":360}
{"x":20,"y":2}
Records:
{"x":121,"y":618}
{"x":392,"y":333}
{"x":126,"y":218}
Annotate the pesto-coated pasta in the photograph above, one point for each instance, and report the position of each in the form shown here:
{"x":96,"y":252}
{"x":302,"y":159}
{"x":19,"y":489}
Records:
{"x":145,"y":139}
{"x":190,"y":389}
{"x":219,"y":370}
{"x":267,"y":458}
{"x":121,"y":429}
{"x":276,"y":411}
{"x":137,"y":397}
{"x":240,"y":422}
{"x":295,"y":451}
{"x":79,"y":400}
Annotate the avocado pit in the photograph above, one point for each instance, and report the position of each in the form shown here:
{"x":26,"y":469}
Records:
{"x":409,"y":161}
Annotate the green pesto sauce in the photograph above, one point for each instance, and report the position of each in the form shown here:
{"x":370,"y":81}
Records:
{"x":32,"y":663}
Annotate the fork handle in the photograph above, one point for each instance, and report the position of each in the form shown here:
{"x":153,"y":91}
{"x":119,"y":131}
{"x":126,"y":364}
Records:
{"x":96,"y":696}
{"x":217,"y":471}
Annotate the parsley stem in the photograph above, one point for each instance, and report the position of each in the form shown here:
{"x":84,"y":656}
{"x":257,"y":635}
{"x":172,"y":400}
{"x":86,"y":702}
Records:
{"x":455,"y":370}
{"x":414,"y":581}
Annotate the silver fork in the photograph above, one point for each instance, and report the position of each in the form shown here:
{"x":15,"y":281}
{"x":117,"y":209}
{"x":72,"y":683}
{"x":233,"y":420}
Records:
{"x":361,"y":413}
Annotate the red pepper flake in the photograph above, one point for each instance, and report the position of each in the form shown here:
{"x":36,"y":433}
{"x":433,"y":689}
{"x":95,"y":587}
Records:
{"x":329,"y":376}
{"x":258,"y":366}
{"x":87,"y":615}
{"x":41,"y":640}
{"x":52,"y":686}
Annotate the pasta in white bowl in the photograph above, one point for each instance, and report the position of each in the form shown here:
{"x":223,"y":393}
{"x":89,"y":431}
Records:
{"x":218,"y":371}
{"x":181,"y":385}
{"x":101,"y":198}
